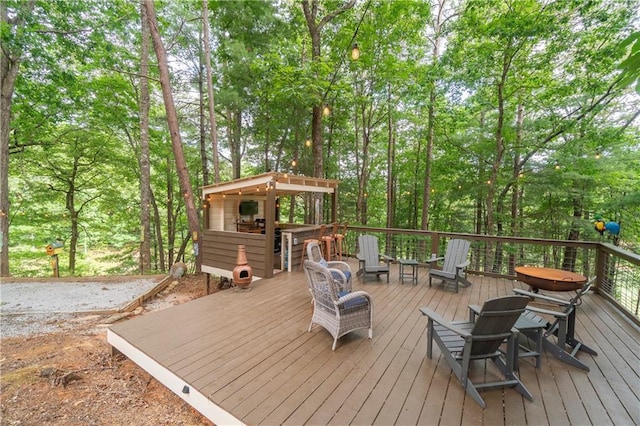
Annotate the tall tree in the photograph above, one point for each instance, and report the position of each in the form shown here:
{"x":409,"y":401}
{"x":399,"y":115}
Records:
{"x":315,"y":24}
{"x":11,"y":44}
{"x":213,"y":129}
{"x":174,"y":130}
{"x":144,"y":163}
{"x":442,"y":12}
{"x":71,"y":166}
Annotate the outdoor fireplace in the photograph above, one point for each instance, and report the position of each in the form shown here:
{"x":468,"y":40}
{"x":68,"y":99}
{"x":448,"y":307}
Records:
{"x":242,"y":273}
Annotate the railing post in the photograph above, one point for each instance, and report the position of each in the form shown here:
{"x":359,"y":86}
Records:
{"x":601,"y":258}
{"x":435,"y":243}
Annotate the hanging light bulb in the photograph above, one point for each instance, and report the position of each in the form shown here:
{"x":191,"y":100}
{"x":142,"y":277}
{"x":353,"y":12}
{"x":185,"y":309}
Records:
{"x":598,"y":155}
{"x":557,"y":166}
{"x":326,"y":110}
{"x":307,"y":142}
{"x":293,"y":163}
{"x":355,"y":52}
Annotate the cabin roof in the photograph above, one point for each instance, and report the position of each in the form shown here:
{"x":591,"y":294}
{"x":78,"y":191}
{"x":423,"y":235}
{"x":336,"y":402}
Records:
{"x":282,"y":183}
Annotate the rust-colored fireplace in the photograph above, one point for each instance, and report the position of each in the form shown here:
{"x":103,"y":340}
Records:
{"x":242,"y":273}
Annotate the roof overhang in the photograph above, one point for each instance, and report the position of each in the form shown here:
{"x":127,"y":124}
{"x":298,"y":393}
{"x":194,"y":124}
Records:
{"x":282,"y":183}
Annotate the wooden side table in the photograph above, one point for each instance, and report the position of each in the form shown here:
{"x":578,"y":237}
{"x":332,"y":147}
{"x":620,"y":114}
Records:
{"x":412,"y":273}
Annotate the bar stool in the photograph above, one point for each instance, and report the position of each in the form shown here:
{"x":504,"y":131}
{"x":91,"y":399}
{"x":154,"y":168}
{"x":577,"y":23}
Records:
{"x":330,"y":242}
{"x":317,"y":238}
{"x":340,"y":238}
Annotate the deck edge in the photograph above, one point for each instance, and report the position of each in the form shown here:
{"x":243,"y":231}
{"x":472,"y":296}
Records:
{"x":175,"y":384}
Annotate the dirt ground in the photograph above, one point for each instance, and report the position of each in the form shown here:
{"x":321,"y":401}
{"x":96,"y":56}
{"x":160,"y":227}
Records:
{"x":70,"y":378}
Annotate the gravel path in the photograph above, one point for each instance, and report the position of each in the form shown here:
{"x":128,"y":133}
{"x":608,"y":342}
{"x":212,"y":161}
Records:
{"x":28,"y":307}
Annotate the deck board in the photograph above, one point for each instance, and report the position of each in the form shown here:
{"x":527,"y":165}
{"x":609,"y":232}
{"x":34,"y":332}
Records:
{"x":250,"y":355}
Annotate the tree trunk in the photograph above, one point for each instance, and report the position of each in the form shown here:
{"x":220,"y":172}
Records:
{"x":426,"y":192}
{"x":431,"y":135}
{"x":70,"y":204}
{"x":499,"y":138}
{"x":570,"y":253}
{"x":144,"y":162}
{"x":172,"y":119}
{"x":363,"y":172}
{"x":213,"y":128}
{"x":160,"y":259}
{"x":10,"y":57}
{"x":315,"y":25}
{"x":513,"y":187}
{"x":202,"y":131}
{"x":236,"y":135}
{"x":171,"y":228}
{"x":391,"y":153}
{"x":515,"y":190}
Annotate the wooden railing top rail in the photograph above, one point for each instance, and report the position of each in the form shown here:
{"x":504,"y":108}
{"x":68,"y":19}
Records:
{"x":617,"y":270}
{"x":621,"y":253}
{"x":478,"y":237}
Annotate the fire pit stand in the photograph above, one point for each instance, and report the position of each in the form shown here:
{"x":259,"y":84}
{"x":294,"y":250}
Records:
{"x":242,"y":273}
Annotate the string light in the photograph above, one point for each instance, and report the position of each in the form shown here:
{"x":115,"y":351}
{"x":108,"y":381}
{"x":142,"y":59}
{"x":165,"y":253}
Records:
{"x":355,"y":52}
{"x":307,"y":142}
{"x":326,"y":110}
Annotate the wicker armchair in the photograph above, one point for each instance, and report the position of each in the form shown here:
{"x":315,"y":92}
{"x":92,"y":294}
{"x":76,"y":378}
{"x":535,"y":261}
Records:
{"x":339,"y":315}
{"x":340,"y":271}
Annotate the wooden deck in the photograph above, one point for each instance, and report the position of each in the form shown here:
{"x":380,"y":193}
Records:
{"x":246,"y":357}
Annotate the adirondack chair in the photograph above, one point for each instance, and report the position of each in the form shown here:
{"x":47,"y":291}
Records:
{"x":370,"y":260}
{"x":338,"y":314}
{"x":340,"y":271}
{"x":455,"y":263}
{"x":463,"y":342}
{"x":560,"y":330}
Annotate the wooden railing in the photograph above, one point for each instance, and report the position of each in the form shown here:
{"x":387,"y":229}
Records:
{"x":617,"y":271}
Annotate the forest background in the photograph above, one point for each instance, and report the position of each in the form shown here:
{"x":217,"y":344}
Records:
{"x":492,"y":117}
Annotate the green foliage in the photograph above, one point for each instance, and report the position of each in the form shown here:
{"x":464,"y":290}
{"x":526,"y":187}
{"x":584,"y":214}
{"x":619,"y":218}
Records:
{"x":567,"y":65}
{"x":631,"y":65}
